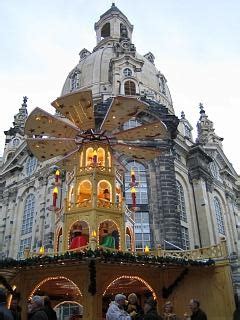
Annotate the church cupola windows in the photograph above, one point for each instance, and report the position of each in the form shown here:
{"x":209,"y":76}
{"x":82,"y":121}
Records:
{"x":105,"y":31}
{"x":75,"y":79}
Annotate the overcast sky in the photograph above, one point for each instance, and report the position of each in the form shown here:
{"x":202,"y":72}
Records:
{"x":196,"y":45}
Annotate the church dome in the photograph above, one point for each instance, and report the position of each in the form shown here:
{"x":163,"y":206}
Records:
{"x":114,"y":67}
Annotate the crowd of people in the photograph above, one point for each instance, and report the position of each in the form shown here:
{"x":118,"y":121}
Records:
{"x":39,"y":308}
{"x":129,"y":309}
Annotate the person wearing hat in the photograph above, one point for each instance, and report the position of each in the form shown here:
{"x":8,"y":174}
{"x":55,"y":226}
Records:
{"x":5,"y":313}
{"x":37,"y":309}
{"x":150,"y":310}
{"x":116,"y":309}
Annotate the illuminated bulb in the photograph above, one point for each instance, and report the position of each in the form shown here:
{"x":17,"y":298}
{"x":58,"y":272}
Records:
{"x":57,"y":173}
{"x":146,"y":250}
{"x":41,"y":250}
{"x":94,"y":233}
{"x":132,"y":172}
{"x":129,"y":148}
{"x":114,"y":117}
{"x":55,"y":190}
{"x":133,"y":190}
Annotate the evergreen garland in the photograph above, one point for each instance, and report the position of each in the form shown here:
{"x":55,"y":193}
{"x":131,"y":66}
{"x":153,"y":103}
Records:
{"x":104,"y":256}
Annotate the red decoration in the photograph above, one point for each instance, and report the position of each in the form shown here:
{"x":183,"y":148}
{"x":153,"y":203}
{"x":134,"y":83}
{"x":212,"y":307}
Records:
{"x":55,"y":194}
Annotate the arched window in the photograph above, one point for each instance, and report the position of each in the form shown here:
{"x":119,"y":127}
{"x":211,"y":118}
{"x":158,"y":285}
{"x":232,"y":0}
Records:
{"x":104,"y":190}
{"x":105,"y":32}
{"x":183,"y":217}
{"x":219,"y":216}
{"x":16,"y":142}
{"x":84,"y":191}
{"x":129,"y":88}
{"x":127,"y":72}
{"x":181,"y":202}
{"x":142,"y":228}
{"x":31,"y":165}
{"x":28,"y":213}
{"x":214,"y":169}
{"x":141,"y":179}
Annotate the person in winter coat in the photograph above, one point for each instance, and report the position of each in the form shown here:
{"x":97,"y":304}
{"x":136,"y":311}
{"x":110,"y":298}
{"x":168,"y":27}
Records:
{"x":197,"y":313}
{"x":4,"y":311}
{"x":133,"y":308}
{"x":36,"y":311}
{"x":150,"y":310}
{"x":51,"y":313}
{"x":116,"y":309}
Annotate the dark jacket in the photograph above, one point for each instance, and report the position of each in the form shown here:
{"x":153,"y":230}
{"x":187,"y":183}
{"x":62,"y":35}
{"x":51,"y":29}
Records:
{"x":199,"y":315}
{"x":38,"y":314}
{"x":236,"y":314}
{"x":152,"y":315}
{"x":5,"y":312}
{"x":51,"y":314}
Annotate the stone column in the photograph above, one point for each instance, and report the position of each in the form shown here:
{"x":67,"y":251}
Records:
{"x":201,"y":180}
{"x":163,"y":199}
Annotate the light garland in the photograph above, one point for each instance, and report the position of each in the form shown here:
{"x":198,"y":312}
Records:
{"x":49,"y":279}
{"x":132,"y":278}
{"x":67,"y":301}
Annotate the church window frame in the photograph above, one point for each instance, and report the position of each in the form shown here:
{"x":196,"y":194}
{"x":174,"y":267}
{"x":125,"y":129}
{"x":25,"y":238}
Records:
{"x":106,"y":30}
{"x":219,"y":216}
{"x":24,"y":244}
{"x":31,"y":165}
{"x":127,"y":72}
{"x":185,"y":238}
{"x":181,"y":202}
{"x":130,"y":88}
{"x":28,"y":214}
{"x":214,"y":169}
{"x":15,"y":142}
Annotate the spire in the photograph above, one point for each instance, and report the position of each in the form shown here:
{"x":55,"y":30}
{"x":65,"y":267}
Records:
{"x":21,"y":116}
{"x":205,"y":128}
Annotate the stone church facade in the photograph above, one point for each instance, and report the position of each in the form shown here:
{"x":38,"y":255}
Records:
{"x":187,"y":198}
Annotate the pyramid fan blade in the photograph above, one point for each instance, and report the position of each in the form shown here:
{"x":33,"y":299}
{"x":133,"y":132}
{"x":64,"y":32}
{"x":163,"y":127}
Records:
{"x":44,"y":149}
{"x":121,"y":110}
{"x":155,"y":130}
{"x":69,"y":161}
{"x":78,"y":108}
{"x":143,"y":153}
{"x":41,"y":122}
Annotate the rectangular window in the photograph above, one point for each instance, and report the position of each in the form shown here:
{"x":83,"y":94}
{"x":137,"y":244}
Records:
{"x":25,"y":243}
{"x":185,"y":238}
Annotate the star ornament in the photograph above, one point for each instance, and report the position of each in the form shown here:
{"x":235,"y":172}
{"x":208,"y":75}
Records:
{"x":62,"y":137}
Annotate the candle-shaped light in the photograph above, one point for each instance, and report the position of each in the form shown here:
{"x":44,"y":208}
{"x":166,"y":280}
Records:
{"x":41,"y":250}
{"x":94,"y":234}
{"x":55,"y":194}
{"x":133,"y":192}
{"x":95,"y":157}
{"x":146,"y":249}
{"x":57,"y":174}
